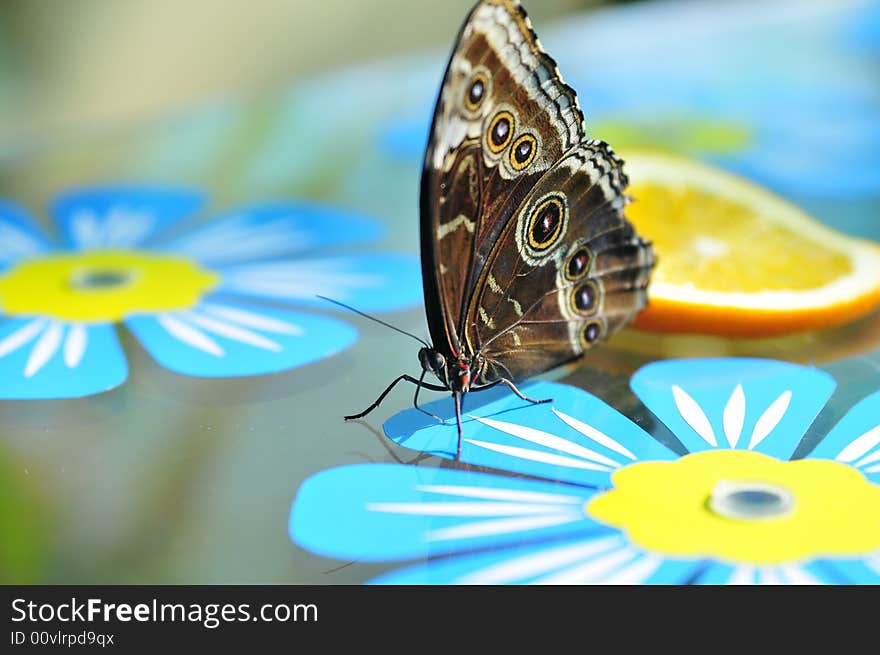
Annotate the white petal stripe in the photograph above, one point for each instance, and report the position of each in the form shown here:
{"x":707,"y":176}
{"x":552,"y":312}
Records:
{"x":22,"y":336}
{"x":84,"y":228}
{"x":465,"y":509}
{"x":15,"y":244}
{"x":635,"y":573}
{"x":539,"y":456}
{"x":549,"y":440}
{"x":540,"y":562}
{"x":770,"y":419}
{"x":75,"y":345}
{"x":694,"y":416}
{"x":128,"y":226}
{"x":44,"y":350}
{"x":500,"y":494}
{"x":591,"y":571}
{"x":794,"y":574}
{"x":873,"y":562}
{"x":860,"y":446}
{"x":592,"y":433}
{"x":190,"y":335}
{"x":335,"y":286}
{"x":873,"y":469}
{"x":252,"y":320}
{"x":120,"y":226}
{"x":869,"y":459}
{"x":240,"y":334}
{"x":500,"y":526}
{"x":742,"y":575}
{"x":770,"y":575}
{"x":734,"y":416}
{"x":238,"y":239}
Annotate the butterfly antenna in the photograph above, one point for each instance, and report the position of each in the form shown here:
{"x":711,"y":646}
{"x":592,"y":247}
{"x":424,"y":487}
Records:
{"x":373,"y":318}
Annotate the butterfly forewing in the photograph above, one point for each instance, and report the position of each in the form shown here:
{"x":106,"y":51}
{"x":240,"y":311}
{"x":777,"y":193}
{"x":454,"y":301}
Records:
{"x":503,"y":117}
{"x":527,"y":257}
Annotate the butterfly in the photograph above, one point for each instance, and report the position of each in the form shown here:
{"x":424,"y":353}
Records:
{"x":528,"y":260}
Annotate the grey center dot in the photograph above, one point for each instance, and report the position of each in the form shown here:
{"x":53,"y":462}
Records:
{"x":750,"y":501}
{"x":101,"y":279}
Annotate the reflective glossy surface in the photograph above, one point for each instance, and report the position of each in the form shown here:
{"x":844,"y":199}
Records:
{"x":174,"y":479}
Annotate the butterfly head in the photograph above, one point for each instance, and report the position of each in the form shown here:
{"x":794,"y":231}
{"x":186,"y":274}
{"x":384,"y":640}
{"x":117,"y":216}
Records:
{"x":458,"y":374}
{"x":432,"y":361}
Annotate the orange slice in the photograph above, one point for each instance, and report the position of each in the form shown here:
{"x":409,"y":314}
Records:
{"x":737,"y":260}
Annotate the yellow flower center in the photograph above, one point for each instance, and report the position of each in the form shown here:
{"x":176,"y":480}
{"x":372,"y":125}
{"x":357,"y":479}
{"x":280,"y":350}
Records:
{"x":102,"y":286}
{"x":742,"y":506}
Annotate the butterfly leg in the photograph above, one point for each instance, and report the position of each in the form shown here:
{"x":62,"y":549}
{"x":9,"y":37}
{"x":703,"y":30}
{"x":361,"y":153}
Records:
{"x":457,"y":397}
{"x":416,"y":399}
{"x":522,"y":395}
{"x":378,"y":401}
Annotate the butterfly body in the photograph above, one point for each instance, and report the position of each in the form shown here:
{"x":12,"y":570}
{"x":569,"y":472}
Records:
{"x":461,"y":374}
{"x":527,"y":258}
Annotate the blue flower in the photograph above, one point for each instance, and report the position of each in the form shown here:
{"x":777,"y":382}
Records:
{"x":197,"y":301}
{"x":595,"y":499}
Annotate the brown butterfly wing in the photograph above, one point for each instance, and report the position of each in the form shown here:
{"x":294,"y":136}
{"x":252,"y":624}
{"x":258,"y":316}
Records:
{"x":503,"y":118}
{"x":567,"y":271}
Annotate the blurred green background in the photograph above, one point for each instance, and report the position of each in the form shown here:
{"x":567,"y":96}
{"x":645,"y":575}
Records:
{"x":68,"y":67}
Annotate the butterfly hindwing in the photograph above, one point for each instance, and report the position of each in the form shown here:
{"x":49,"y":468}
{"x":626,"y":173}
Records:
{"x":503,"y":118}
{"x":567,"y":271}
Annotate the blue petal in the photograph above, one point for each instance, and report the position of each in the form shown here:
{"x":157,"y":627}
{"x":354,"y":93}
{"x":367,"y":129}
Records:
{"x":856,"y":571}
{"x":711,"y":385}
{"x":855,"y":440}
{"x":227,"y":340}
{"x":602,"y":558}
{"x":587,"y":456}
{"x":271,"y":230}
{"x":42,"y":359}
{"x":19,"y":237}
{"x":377,"y":512}
{"x":120,"y":216}
{"x":719,"y":573}
{"x":372,"y":282}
